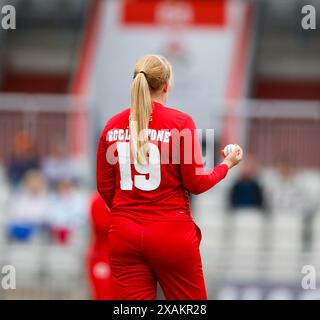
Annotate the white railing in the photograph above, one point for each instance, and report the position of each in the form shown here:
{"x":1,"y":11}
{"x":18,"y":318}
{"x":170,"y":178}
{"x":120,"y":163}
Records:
{"x":42,"y":102}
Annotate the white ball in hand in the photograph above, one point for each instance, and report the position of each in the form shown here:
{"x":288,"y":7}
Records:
{"x":228,"y":149}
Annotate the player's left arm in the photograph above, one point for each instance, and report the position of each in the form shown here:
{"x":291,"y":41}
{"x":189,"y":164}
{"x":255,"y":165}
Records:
{"x":105,"y":174}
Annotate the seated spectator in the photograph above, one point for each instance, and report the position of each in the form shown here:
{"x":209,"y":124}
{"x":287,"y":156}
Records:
{"x":4,"y":188}
{"x":58,"y":165}
{"x":247,"y":193}
{"x":28,"y":207}
{"x":22,"y":159}
{"x":67,"y":211}
{"x":285,"y":191}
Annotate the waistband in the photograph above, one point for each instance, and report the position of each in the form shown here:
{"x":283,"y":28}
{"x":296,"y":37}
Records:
{"x":149,"y":217}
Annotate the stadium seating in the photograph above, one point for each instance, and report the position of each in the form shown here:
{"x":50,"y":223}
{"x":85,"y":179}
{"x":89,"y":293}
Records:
{"x":286,"y":235}
{"x":316,"y":232}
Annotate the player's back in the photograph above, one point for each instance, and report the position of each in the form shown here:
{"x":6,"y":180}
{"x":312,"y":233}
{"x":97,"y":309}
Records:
{"x":153,"y":191}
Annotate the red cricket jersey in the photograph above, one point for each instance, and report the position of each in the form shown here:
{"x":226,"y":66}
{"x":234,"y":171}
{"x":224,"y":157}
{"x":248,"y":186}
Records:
{"x":160,"y":190}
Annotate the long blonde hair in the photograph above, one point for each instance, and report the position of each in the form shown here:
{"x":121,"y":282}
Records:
{"x":150,"y":73}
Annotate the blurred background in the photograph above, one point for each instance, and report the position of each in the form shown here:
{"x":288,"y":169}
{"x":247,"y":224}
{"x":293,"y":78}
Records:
{"x":245,"y":68}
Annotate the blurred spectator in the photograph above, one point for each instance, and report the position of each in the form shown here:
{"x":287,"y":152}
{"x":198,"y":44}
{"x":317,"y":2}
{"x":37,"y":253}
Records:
{"x":98,"y":262}
{"x":23,"y":158}
{"x":28,"y":207}
{"x":285,"y":192}
{"x":59,"y":165}
{"x":247,"y":193}
{"x":4,"y":190}
{"x":66,"y":211}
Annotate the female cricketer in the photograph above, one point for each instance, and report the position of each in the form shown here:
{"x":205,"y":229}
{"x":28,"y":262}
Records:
{"x":98,"y":261}
{"x":148,"y":161}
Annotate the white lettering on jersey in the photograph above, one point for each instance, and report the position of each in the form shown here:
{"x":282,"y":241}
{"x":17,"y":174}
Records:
{"x":124,"y":135}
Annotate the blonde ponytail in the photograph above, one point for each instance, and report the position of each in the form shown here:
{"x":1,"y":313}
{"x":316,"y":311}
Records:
{"x":151,"y":72}
{"x":141,"y":106}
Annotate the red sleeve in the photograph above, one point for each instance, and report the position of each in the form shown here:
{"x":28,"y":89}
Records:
{"x":195,"y":178}
{"x":105,"y":174}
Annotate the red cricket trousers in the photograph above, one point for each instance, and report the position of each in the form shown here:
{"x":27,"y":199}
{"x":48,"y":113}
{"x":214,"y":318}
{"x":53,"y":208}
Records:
{"x":144,"y":252}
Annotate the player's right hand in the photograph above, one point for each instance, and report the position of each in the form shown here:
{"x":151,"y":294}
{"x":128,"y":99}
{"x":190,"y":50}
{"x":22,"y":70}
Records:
{"x":233,"y":158}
